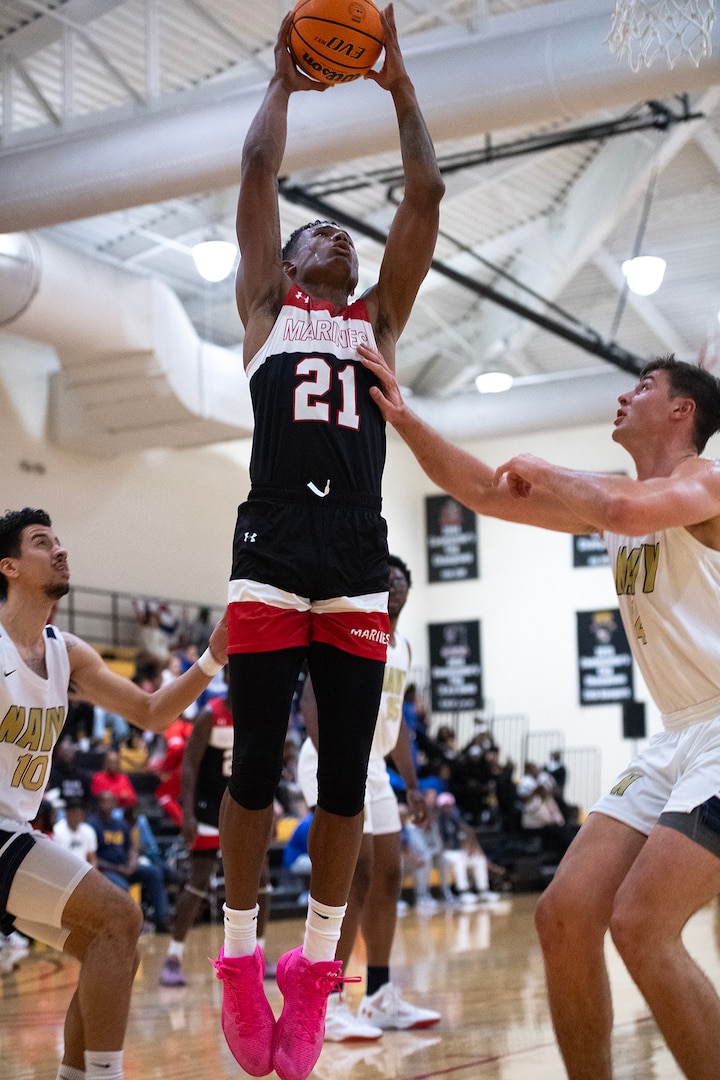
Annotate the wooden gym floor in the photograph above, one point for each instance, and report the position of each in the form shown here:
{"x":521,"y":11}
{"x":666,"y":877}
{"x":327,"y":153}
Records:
{"x":481,"y":969}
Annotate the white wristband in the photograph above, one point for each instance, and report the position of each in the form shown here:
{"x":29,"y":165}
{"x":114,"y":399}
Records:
{"x":208,"y":664}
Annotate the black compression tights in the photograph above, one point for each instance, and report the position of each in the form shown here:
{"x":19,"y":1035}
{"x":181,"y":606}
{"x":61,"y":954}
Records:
{"x":348,"y":691}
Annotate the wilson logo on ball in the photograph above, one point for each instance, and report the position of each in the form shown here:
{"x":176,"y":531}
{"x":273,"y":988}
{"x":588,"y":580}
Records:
{"x":334,"y":41}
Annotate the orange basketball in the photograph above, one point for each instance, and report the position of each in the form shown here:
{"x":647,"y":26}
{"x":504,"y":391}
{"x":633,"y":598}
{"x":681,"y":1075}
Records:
{"x":336,"y":41}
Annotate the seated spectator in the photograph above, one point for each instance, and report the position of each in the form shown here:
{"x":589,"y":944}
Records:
{"x":441,"y":749}
{"x":541,"y":814}
{"x":173,"y":668}
{"x":118,"y":858}
{"x":463,"y":854}
{"x":423,"y":851}
{"x":156,"y":627}
{"x":472,"y":782}
{"x":74,"y":833}
{"x":67,"y":780}
{"x":110,"y":779}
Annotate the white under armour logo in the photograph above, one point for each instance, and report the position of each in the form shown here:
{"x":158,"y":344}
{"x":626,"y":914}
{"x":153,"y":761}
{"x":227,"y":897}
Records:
{"x":249,"y":538}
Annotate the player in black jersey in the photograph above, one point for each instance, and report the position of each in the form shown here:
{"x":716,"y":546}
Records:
{"x":310,"y":574}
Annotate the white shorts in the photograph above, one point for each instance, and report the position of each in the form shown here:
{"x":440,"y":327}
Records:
{"x":676,"y":772}
{"x":41,"y":887}
{"x":381,"y":808}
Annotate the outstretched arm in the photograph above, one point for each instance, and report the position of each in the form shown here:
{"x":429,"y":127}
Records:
{"x":411,"y":240}
{"x":95,"y":682}
{"x":465,"y":477}
{"x":689,"y":496}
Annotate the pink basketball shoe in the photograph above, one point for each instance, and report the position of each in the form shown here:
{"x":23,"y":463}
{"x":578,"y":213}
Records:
{"x":247,"y":1019}
{"x":300,"y":1031}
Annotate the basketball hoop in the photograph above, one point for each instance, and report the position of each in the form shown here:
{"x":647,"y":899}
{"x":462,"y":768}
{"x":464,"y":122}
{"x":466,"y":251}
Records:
{"x":644,"y":29}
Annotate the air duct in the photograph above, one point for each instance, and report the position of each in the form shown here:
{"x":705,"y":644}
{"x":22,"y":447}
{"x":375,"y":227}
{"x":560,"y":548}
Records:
{"x":528,"y":67}
{"x":134,"y":373}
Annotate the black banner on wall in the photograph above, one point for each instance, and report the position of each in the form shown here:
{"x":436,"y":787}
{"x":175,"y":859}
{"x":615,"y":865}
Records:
{"x":605,"y":666}
{"x":455,"y":668}
{"x":452,"y":542}
{"x":589,"y":551}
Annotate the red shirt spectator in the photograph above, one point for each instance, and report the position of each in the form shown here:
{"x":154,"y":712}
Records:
{"x":111,"y":779}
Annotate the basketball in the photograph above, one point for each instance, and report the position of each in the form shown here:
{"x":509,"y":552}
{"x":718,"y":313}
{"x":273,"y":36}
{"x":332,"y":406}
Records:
{"x":336,"y":41}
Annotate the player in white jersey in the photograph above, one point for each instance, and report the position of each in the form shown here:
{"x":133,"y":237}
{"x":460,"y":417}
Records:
{"x":372,"y":903}
{"x":46,"y":891}
{"x":648,"y":856}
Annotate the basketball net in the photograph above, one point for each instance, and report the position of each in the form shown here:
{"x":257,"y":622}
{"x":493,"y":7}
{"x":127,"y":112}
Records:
{"x":644,"y":29}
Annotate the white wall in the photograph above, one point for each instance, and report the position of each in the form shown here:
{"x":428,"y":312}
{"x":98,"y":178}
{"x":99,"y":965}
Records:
{"x":161,"y":522}
{"x":158,"y":522}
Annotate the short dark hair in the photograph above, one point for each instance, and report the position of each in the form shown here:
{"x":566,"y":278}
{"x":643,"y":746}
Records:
{"x":396,"y":561}
{"x":693,"y":381}
{"x":12,"y":525}
{"x":292,"y":240}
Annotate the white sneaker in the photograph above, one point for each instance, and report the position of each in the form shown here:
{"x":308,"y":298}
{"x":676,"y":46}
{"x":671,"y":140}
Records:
{"x":342,"y":1026}
{"x":427,"y":904}
{"x":386,"y":1009}
{"x":469,"y":899}
{"x":489,"y":897}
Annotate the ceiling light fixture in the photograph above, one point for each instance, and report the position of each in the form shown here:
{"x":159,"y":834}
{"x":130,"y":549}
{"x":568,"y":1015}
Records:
{"x":493,"y":382}
{"x":214,"y":259}
{"x":644,"y":274}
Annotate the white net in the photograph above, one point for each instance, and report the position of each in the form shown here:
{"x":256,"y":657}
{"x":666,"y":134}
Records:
{"x":642,"y":30}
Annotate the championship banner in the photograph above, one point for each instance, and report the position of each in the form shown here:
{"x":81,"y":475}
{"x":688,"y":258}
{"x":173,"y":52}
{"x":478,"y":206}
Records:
{"x":455,"y":668}
{"x":605,"y":666}
{"x":452,"y":540}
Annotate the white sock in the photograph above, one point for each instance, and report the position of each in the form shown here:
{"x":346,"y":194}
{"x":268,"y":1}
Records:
{"x":240,"y":931}
{"x":67,"y":1072}
{"x":322,"y":931}
{"x":176,"y":948}
{"x":104,"y":1065}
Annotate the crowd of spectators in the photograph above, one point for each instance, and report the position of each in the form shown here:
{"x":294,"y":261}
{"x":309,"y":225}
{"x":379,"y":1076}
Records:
{"x":112,"y":786}
{"x":488,"y":793}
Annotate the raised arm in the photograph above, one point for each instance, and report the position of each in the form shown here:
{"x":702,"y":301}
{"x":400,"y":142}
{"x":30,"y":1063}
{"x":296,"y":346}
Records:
{"x":95,"y":682}
{"x":465,"y":477}
{"x":413,"y":233}
{"x":260,"y":278}
{"x":689,"y":496}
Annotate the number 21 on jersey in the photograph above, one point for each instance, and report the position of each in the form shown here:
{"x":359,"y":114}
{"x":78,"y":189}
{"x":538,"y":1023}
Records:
{"x":308,"y":401}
